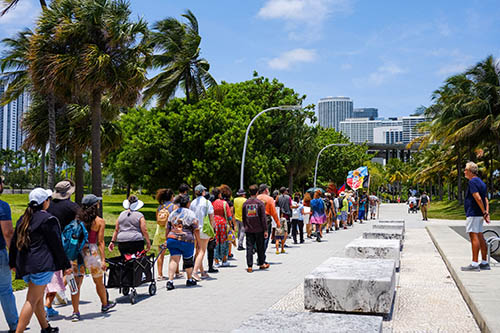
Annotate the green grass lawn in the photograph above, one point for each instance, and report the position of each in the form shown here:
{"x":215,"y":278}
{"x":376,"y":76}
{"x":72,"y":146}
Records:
{"x":112,"y":205}
{"x":452,"y":210}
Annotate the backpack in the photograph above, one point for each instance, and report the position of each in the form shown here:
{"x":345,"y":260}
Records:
{"x":163,"y":215}
{"x":340,"y":201}
{"x":74,"y":237}
{"x":328,"y":204}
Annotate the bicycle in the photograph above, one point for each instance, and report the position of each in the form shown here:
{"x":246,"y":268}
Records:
{"x":487,"y":234}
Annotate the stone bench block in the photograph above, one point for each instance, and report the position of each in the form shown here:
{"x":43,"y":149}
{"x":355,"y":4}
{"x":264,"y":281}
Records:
{"x":374,"y":249}
{"x":391,"y":221}
{"x":384,"y":234}
{"x":389,"y":226}
{"x":281,"y":321}
{"x":351,"y":285}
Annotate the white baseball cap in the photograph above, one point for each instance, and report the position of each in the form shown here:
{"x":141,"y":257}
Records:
{"x":39,"y":195}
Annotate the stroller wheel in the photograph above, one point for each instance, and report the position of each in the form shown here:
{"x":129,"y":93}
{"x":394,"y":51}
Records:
{"x":133,"y":297}
{"x":152,"y":289}
{"x":125,"y":291}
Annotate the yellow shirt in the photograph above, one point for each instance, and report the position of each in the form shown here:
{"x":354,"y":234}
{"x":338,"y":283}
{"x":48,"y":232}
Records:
{"x":238,"y":208}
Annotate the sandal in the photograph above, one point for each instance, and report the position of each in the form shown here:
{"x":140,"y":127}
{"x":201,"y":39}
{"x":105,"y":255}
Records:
{"x":205,"y":276}
{"x":196,"y":278}
{"x":161,"y":278}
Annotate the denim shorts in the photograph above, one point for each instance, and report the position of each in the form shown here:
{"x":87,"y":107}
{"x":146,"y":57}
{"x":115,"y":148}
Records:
{"x":40,"y":279}
{"x":177,"y":248}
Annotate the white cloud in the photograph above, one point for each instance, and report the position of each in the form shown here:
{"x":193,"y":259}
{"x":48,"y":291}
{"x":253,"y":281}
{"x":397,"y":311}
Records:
{"x":381,"y":75}
{"x":452,"y":69}
{"x":304,"y":17}
{"x":20,"y":16}
{"x":345,"y":67}
{"x":289,"y":58}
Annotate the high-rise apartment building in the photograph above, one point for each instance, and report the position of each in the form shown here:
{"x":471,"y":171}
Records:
{"x":361,"y":130}
{"x":371,"y":113}
{"x":388,"y":134}
{"x":11,"y":134}
{"x":333,"y":110}
{"x":410,"y":131}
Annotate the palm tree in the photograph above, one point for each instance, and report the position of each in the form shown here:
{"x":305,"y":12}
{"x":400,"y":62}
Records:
{"x":179,"y":60}
{"x":92,"y":48}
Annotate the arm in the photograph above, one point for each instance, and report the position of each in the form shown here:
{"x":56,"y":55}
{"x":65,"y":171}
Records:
{"x":273,"y":213}
{"x":100,"y":241}
{"x":13,"y":252}
{"x":145,"y":234}
{"x":113,"y":238}
{"x":484,"y":209}
{"x":263,"y":218}
{"x":7,"y":231}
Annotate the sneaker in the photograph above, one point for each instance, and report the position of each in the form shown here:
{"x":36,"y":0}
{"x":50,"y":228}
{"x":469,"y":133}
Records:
{"x":277,"y":251}
{"x":318,"y":240}
{"x":302,"y":241}
{"x":241,"y":248}
{"x":50,"y":329}
{"x":470,"y":268}
{"x":265,"y":266}
{"x":75,"y":317}
{"x":295,"y":242}
{"x":345,"y":227}
{"x":230,"y":256}
{"x":225,"y":264}
{"x":217,"y":265}
{"x":51,"y":312}
{"x":107,"y":307}
{"x":327,"y":231}
{"x":283,"y":251}
{"x":213,"y":270}
{"x":484,"y":267}
{"x":249,"y":270}
{"x":170,"y":285}
{"x":191,"y":282}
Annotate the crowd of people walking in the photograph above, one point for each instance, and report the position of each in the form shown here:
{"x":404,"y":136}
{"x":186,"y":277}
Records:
{"x":56,"y":241}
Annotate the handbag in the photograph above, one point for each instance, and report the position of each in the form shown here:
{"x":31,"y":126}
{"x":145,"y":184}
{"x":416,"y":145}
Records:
{"x":207,"y":226}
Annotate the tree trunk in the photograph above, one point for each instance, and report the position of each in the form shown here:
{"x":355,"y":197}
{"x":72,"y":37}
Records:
{"x":52,"y":142}
{"x":42,"y":168}
{"x":440,"y":184}
{"x":459,"y":176}
{"x":290,"y":182}
{"x":188,"y":99}
{"x":129,"y":188}
{"x":79,"y":181}
{"x":95,"y":109}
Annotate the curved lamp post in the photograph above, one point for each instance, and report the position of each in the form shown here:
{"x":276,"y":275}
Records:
{"x":284,"y":108}
{"x":319,"y":154}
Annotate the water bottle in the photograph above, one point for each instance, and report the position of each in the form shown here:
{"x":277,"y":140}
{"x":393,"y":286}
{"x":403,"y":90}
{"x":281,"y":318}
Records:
{"x":73,"y":287}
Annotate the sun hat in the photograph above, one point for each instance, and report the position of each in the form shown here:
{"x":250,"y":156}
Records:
{"x":38,"y":196}
{"x":132,"y":203}
{"x":90,"y":200}
{"x":63,"y":190}
{"x":200,"y":188}
{"x":241,"y":192}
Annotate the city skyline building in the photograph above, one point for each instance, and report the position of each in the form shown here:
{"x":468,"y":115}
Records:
{"x":333,"y":110}
{"x":388,"y":134}
{"x":371,"y":113}
{"x":11,"y":134}
{"x":360,"y":130}
{"x":410,"y":130}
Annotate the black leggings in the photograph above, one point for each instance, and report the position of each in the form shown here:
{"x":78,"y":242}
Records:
{"x":130,"y":247}
{"x":210,"y":252}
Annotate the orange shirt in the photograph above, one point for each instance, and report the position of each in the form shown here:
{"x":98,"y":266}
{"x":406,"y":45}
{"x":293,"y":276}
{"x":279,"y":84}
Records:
{"x":270,"y":207}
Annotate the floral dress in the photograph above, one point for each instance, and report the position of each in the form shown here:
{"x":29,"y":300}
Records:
{"x":221,"y":227}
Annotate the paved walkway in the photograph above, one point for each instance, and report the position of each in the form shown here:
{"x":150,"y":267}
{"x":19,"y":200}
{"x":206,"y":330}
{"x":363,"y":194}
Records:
{"x":233,"y":295}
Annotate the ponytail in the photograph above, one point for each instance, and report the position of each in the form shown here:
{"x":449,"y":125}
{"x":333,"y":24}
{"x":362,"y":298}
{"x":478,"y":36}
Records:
{"x":23,"y":229}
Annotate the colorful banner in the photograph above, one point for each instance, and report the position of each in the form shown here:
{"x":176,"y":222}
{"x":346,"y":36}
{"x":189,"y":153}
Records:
{"x":341,"y":189}
{"x":356,"y":178}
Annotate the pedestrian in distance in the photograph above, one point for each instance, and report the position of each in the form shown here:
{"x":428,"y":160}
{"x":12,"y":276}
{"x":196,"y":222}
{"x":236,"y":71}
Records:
{"x":307,"y":214}
{"x":226,"y":194}
{"x":212,"y":243}
{"x":182,"y":232}
{"x":297,"y":219}
{"x":284,"y":202}
{"x":476,"y":206}
{"x":222,"y":215}
{"x":164,"y":197}
{"x":204,"y":212}
{"x":93,"y":254}
{"x":256,"y":229}
{"x":270,"y":205}
{"x":318,"y":216}
{"x":328,"y":211}
{"x":363,"y":200}
{"x":7,"y":299}
{"x":425,"y":203}
{"x":238,"y":211}
{"x":36,"y":252}
{"x":374,"y":201}
{"x":344,"y":209}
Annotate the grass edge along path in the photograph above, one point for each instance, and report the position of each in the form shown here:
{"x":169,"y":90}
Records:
{"x":453,"y":210}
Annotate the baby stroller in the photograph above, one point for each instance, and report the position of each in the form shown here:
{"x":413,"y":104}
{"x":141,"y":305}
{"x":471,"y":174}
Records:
{"x":129,"y":272}
{"x":412,"y":207}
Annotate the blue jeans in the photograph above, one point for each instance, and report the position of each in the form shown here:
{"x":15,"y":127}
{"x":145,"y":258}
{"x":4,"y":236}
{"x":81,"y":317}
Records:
{"x":6,"y":294}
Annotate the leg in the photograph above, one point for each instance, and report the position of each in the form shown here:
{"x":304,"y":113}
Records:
{"x":34,"y":303}
{"x":261,"y":251}
{"x":301,"y":230}
{"x":241,"y":233}
{"x":160,"y":261}
{"x":251,"y":237}
{"x":218,"y":252}
{"x":483,"y":246}
{"x":269,"y":228}
{"x":198,"y":265}
{"x":475,"y":243}
{"x":276,"y":242}
{"x":210,"y":253}
{"x":101,"y":290}
{"x":173,"y":266}
{"x":225,"y":251}
{"x":7,"y":298}
{"x":78,"y":272}
{"x":294,"y":230}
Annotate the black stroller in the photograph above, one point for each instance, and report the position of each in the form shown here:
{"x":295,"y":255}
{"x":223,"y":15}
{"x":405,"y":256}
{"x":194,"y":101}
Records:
{"x":129,"y":274}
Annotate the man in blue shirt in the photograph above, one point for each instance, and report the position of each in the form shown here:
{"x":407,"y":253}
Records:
{"x":476,"y":210}
{"x":6,"y":294}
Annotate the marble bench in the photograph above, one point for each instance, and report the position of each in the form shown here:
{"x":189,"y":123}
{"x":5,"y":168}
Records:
{"x":281,"y":321}
{"x":351,"y":285}
{"x":374,"y":249}
{"x":389,"y":226}
{"x":384,"y":234}
{"x":391,"y":221}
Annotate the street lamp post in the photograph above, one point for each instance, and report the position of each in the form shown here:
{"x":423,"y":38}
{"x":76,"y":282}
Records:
{"x":284,"y":108}
{"x":319,"y":154}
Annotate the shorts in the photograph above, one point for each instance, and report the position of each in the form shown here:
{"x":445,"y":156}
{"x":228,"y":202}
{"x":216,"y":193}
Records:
{"x":373,"y":209}
{"x":474,"y":224}
{"x":178,"y":248}
{"x":40,"y":279}
{"x":343,"y":216}
{"x":204,"y":235}
{"x":56,"y":284}
{"x":92,"y":260}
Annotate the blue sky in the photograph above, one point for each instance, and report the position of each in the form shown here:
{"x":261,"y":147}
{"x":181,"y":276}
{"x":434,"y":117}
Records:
{"x":385,"y":54}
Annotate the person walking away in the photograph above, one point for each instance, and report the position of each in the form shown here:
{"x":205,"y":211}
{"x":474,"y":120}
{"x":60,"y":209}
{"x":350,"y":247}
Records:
{"x":318,"y":213}
{"x":212,"y":243}
{"x":284,"y":202}
{"x":36,"y":252}
{"x":425,"y":202}
{"x":373,"y":205}
{"x":344,"y":209}
{"x":182,"y":232}
{"x":476,"y":211}
{"x":270,"y":210}
{"x":7,"y":298}
{"x":65,"y":210}
{"x":222,"y":213}
{"x":238,"y":210}
{"x":362,"y":207}
{"x":166,"y":206}
{"x":297,"y":219}
{"x":204,"y":212}
{"x":255,"y":223}
{"x":226,"y":193}
{"x":329,"y":213}
{"x":307,"y":214}
{"x":336,"y":211}
{"x":93,"y":253}
{"x":130,"y":229}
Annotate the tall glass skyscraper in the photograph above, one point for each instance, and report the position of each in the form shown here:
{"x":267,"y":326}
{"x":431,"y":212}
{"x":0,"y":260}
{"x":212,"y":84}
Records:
{"x":371,"y":113}
{"x":11,"y":134}
{"x":333,"y":110}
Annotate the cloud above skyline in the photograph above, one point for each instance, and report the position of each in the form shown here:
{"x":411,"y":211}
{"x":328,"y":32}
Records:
{"x":287,"y":59}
